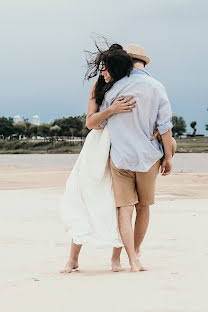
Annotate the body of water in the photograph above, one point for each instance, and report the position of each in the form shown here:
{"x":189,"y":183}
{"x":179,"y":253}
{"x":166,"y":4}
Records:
{"x":182,"y":162}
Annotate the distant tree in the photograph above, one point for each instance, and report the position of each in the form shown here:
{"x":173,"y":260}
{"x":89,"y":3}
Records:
{"x":55,"y":131}
{"x":6,"y":127}
{"x":34,"y":130}
{"x":193,"y":126}
{"x":82,"y":118}
{"x":20,"y":129}
{"x":72,"y":131}
{"x":44,"y":130}
{"x":179,"y":126}
{"x":27,"y":128}
{"x":206,"y":127}
{"x":67,"y":123}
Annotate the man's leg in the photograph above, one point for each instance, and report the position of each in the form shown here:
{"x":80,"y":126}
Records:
{"x":141,"y":224}
{"x":145,"y":182}
{"x":125,"y":195}
{"x":116,"y":261}
{"x":127,"y":235}
{"x":72,"y":263}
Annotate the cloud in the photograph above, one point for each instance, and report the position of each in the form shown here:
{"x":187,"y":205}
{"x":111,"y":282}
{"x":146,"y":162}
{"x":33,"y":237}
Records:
{"x":43,"y":42}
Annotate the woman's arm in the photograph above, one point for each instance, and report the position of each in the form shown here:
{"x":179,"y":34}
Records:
{"x":95,"y":118}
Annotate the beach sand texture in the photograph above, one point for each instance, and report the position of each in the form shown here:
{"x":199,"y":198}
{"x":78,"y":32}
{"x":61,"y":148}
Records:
{"x":34,"y":246}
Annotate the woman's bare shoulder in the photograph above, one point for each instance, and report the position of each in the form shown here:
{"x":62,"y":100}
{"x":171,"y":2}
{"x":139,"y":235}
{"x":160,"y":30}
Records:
{"x":93,"y":85}
{"x":92,"y":89}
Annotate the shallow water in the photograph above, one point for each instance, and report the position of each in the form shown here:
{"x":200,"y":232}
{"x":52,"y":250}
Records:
{"x":194,"y":162}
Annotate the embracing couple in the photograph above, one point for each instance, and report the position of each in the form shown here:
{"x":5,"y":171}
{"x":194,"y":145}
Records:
{"x":131,"y":138}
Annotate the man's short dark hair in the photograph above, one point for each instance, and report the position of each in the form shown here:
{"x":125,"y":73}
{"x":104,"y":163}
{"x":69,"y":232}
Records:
{"x":135,"y":60}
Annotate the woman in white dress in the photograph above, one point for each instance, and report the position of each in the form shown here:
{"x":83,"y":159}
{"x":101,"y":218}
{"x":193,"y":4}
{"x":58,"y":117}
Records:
{"x":88,"y":208}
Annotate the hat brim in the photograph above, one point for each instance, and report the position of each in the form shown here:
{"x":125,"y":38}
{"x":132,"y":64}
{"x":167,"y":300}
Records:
{"x":140,"y":57}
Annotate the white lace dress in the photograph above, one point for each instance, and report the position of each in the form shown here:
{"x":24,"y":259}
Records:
{"x":88,"y":207}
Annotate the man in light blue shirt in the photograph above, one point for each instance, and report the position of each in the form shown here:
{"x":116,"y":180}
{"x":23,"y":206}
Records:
{"x":134,"y":157}
{"x":131,"y":147}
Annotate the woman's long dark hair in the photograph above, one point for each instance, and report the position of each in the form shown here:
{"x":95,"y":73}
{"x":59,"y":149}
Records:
{"x":116,"y":61}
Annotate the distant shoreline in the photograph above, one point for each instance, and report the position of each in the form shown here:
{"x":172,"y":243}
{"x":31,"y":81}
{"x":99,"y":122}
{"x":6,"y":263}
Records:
{"x":184,"y":145}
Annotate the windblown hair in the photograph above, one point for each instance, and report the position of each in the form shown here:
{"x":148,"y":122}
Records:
{"x":118,"y":63}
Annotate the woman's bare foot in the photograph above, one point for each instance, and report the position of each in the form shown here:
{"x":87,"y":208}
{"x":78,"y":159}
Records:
{"x":116,"y":265}
{"x":71,"y":266}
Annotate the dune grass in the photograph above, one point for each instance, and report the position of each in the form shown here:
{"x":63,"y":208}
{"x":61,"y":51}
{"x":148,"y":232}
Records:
{"x":184,"y":145}
{"x":39,"y":147}
{"x":192,"y":145}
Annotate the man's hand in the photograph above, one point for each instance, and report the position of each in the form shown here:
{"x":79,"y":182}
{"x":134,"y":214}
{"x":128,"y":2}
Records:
{"x":166,"y":166}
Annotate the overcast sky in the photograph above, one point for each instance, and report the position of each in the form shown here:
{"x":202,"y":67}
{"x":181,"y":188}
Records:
{"x":42,"y":63}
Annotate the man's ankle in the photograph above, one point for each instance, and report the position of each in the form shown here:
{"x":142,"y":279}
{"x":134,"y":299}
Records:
{"x":73,"y":259}
{"x":133,"y":261}
{"x":137,"y":251}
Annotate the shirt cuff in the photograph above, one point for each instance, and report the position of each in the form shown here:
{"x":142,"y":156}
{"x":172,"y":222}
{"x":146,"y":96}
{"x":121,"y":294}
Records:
{"x":103,"y":124}
{"x":165,"y":127}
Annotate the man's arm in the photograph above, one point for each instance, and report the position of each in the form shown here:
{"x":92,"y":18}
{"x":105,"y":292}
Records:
{"x":164,"y":124}
{"x":166,"y":166}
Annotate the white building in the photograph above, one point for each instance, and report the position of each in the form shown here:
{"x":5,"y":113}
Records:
{"x":36,"y":120}
{"x":17,"y":119}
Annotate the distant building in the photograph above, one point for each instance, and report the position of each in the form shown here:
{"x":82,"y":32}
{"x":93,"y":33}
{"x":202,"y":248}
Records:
{"x":17,"y":119}
{"x":36,"y":120}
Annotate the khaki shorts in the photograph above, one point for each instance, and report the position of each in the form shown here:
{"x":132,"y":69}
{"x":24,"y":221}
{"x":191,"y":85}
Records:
{"x":131,"y":187}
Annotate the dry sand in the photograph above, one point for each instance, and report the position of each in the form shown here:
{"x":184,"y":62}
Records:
{"x":34,"y":247}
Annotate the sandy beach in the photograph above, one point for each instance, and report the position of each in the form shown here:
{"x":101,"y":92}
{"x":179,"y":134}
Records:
{"x":34,"y":246}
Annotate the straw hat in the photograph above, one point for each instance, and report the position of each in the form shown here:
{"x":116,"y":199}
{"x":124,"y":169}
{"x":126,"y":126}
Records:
{"x":137,"y":52}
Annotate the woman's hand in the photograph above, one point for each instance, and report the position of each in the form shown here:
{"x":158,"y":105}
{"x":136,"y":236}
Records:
{"x":98,"y":128}
{"x":155,"y":135}
{"x":121,"y":105}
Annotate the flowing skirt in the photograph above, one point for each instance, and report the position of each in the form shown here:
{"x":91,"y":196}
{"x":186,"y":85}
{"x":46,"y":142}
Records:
{"x":88,"y":208}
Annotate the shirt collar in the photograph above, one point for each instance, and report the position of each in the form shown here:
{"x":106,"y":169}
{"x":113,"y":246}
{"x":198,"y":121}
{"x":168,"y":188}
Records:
{"x":140,"y":71}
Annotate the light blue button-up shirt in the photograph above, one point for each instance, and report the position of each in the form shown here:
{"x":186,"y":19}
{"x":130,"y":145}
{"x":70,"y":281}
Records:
{"x":130,"y":132}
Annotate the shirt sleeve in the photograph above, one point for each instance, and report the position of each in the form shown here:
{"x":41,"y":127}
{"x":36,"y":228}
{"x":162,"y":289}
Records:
{"x":102,"y":107}
{"x":104,"y":123}
{"x":164,"y":117}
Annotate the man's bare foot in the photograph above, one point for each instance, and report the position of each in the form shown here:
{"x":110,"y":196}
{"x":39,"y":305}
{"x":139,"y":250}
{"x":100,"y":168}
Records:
{"x":141,"y":267}
{"x":116,"y":265}
{"x":137,"y":267}
{"x":71,"y":266}
{"x":138,"y":255}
